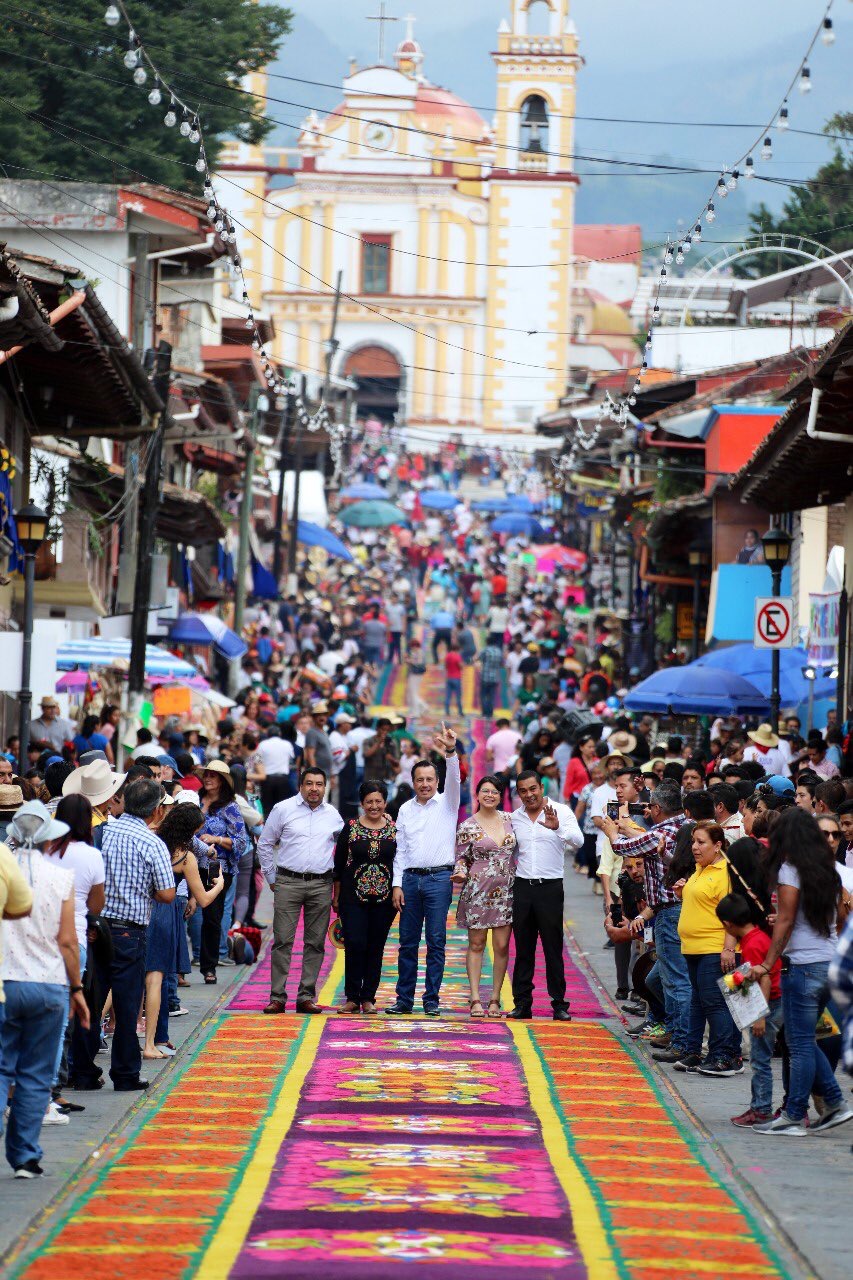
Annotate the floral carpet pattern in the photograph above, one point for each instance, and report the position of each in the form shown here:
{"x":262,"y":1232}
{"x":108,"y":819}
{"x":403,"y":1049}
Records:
{"x":378,"y":1147}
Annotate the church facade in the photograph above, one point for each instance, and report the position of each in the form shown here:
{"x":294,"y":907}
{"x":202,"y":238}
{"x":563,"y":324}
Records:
{"x":452,"y":236}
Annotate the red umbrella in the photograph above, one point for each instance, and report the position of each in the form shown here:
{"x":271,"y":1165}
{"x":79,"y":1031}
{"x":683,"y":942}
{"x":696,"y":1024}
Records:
{"x":569,"y":557}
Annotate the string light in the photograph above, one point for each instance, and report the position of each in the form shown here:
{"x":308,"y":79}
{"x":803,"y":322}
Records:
{"x":140,"y":75}
{"x":767,"y":150}
{"x":170,"y":119}
{"x":131,"y":58}
{"x":749,"y":167}
{"x":710,"y":212}
{"x":112,"y":17}
{"x":805,"y":85}
{"x":155,"y":97}
{"x":782,"y":121}
{"x":722,"y":189}
{"x":827,"y":35}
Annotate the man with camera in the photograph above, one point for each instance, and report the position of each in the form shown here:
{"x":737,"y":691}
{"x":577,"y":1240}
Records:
{"x":657,"y":846}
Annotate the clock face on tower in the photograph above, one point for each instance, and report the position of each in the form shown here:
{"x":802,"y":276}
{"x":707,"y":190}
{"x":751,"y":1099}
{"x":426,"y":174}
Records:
{"x":378,"y":135}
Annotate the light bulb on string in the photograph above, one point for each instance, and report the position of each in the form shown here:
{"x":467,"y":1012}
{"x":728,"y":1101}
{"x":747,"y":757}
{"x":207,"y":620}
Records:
{"x":828,"y":34}
{"x":112,"y":17}
{"x":140,"y":75}
{"x":697,"y":232}
{"x":195,"y":133}
{"x":688,"y":244}
{"x":749,"y":167}
{"x":656,"y":314}
{"x":722,"y":189}
{"x":131,"y":58}
{"x":170,"y":119}
{"x":155,"y":97}
{"x":805,"y":85}
{"x":731,"y":180}
{"x":710,"y":212}
{"x":667,"y":257}
{"x":212,"y":213}
{"x":208,"y":191}
{"x":185,"y":125}
{"x":679,"y":257}
{"x":767,"y":150}
{"x":201,"y":164}
{"x":782,"y":121}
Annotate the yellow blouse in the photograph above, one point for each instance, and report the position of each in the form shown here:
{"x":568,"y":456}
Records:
{"x":700,"y":931}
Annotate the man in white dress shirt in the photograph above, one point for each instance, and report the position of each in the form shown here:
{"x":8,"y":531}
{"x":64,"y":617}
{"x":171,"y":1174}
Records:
{"x":545,"y":831}
{"x":297,"y":851}
{"x":426,"y":851}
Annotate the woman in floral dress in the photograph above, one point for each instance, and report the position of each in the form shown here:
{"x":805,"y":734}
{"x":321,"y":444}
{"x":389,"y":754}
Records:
{"x":485,"y":867}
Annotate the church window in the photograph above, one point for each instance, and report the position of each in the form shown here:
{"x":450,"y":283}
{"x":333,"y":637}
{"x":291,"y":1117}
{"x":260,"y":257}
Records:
{"x":534,"y":125}
{"x":375,"y":264}
{"x":539,"y":21}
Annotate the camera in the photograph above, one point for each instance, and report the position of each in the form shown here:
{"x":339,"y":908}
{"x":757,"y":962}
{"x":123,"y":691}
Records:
{"x":617,"y":916}
{"x":636,"y":809}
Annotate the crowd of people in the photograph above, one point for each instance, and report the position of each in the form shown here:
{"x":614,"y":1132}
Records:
{"x":730,"y":848}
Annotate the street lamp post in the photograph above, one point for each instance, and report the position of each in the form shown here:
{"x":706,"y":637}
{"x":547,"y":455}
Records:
{"x":31,"y":524}
{"x":777,"y":551}
{"x":698,"y":557}
{"x":810,"y":674}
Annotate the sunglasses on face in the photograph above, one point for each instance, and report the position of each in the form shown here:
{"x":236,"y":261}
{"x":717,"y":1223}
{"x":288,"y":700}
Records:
{"x":832,"y":835}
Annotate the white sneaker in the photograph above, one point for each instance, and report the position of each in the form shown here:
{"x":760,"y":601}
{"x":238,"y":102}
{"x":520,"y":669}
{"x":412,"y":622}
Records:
{"x":54,"y":1116}
{"x":783,"y":1125}
{"x":830,"y":1119}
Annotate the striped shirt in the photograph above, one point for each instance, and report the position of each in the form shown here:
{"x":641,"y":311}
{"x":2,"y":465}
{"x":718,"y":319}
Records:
{"x":136,"y":863}
{"x":657,"y":846}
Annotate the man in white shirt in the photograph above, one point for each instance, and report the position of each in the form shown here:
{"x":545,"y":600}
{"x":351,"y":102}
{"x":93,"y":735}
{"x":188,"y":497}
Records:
{"x":545,"y":832}
{"x":275,"y":756}
{"x":764,"y":748}
{"x":426,"y":851}
{"x":727,"y":811}
{"x":297,"y":851}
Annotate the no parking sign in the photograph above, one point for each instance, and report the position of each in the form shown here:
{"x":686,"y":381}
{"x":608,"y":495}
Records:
{"x":774,"y":622}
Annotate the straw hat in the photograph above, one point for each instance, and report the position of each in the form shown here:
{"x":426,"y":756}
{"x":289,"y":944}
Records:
{"x":11,"y":797}
{"x":95,"y":781}
{"x":217,"y":766}
{"x":764,"y":736}
{"x":622,"y":740}
{"x":47,"y":701}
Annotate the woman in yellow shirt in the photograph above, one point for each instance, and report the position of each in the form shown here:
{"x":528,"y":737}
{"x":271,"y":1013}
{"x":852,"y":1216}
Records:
{"x":702,"y":939}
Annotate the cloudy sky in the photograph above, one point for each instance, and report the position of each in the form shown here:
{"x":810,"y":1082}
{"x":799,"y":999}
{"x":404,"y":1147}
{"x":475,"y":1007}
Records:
{"x":710,"y":65}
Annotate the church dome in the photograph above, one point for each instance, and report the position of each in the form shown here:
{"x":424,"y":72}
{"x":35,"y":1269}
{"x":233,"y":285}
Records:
{"x":440,"y":111}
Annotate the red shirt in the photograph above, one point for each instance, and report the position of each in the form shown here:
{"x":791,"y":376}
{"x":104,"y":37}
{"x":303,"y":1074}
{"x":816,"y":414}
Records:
{"x":453,"y":665}
{"x":499,"y":584}
{"x":753,"y":947}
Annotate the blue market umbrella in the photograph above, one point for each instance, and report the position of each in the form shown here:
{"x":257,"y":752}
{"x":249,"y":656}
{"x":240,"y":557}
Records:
{"x":373,"y":515}
{"x":101,"y":651}
{"x":314,"y":535}
{"x":519,"y":503}
{"x":438,"y":499}
{"x":363,"y":491}
{"x":206,"y":628}
{"x":695,"y":690}
{"x":754,"y":665}
{"x":496,"y":505}
{"x":516,"y":522}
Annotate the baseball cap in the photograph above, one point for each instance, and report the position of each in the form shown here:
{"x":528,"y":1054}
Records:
{"x":778,"y":785}
{"x":171,"y":763}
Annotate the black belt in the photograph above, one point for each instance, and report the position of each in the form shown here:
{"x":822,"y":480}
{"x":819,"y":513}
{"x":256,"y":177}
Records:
{"x":304,"y":875}
{"x":428,"y":871}
{"x":540,"y":879}
{"x":123,"y":924}
{"x":665,"y":906}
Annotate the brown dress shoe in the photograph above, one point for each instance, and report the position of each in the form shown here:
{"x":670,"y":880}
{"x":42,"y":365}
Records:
{"x":309,"y":1006}
{"x":275,"y":1006}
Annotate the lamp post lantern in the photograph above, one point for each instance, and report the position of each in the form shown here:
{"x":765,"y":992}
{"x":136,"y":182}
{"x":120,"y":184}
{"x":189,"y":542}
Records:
{"x":32,"y":525}
{"x":777,"y":551}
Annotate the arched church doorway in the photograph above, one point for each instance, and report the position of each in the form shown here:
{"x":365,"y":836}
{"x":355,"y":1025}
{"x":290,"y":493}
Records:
{"x":379,"y":377}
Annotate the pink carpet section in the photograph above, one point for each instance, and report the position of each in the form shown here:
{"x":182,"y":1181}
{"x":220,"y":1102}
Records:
{"x":254,"y":994}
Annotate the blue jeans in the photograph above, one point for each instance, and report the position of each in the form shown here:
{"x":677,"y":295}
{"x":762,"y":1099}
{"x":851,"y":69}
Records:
{"x":31,"y":1030}
{"x":488,"y":693}
{"x":677,"y":992}
{"x":708,"y":1004}
{"x":194,"y":930}
{"x":428,"y":901}
{"x":126,"y":977}
{"x":452,"y":689}
{"x":804,"y":995}
{"x":761,"y":1056}
{"x":62,"y":1038}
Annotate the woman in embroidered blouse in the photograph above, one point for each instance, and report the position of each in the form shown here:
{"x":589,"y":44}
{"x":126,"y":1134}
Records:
{"x":485,"y":867}
{"x":364,"y":865}
{"x":224,"y":833}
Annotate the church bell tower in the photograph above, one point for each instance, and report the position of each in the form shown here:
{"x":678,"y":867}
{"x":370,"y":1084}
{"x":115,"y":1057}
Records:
{"x":531,"y":221}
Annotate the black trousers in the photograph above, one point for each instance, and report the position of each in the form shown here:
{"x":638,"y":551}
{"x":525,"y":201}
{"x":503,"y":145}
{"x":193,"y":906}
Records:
{"x":365,"y":934}
{"x":537,"y":915}
{"x":126,"y":977}
{"x":275,"y":787}
{"x":211,"y":924}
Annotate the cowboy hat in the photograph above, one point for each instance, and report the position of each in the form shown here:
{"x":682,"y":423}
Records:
{"x":622,"y":740}
{"x":95,"y":781}
{"x":764,"y":736}
{"x":649,"y":766}
{"x":47,"y":701}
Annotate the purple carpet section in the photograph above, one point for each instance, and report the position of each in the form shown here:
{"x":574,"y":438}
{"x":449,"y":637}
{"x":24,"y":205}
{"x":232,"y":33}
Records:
{"x":414,"y":1146}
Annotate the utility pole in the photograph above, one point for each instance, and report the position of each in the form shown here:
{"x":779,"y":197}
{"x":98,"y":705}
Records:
{"x":145,"y":539}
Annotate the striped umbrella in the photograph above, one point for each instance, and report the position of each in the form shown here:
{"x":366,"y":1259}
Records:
{"x":102,"y":651}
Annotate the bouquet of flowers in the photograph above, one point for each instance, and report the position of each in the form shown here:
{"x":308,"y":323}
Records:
{"x":743,"y":996}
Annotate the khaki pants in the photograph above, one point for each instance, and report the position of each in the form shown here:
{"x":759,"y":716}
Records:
{"x":313,"y":898}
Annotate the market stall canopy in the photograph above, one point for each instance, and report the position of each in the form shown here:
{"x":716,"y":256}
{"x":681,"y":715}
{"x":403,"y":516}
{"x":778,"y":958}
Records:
{"x":75,"y":682}
{"x":314,"y":535}
{"x":568,"y":557}
{"x":517,"y":523}
{"x":102,"y":651}
{"x":496,"y":505}
{"x":363,"y":492}
{"x":694,"y":690}
{"x":438,"y":499}
{"x":206,"y":628}
{"x":754,"y":665}
{"x":373,"y":515}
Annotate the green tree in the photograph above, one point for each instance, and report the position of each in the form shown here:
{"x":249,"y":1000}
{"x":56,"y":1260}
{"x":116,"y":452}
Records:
{"x":822,"y":209}
{"x":69,"y":106}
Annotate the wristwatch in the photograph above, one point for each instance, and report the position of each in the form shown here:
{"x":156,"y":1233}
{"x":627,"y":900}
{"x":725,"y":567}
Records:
{"x":74,"y":990}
